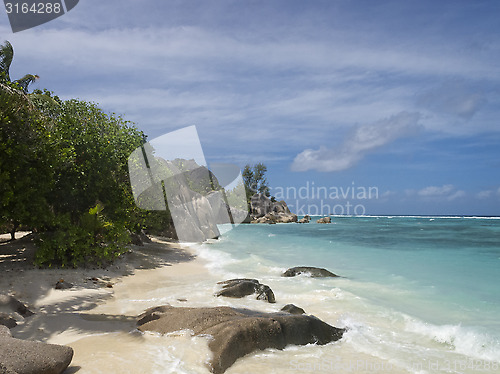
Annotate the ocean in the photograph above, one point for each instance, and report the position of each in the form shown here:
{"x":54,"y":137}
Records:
{"x":418,"y":294}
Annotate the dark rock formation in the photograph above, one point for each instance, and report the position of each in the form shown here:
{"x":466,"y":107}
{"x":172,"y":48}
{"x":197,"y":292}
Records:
{"x":238,"y":332}
{"x":263,"y":210}
{"x":312,"y":271}
{"x":305,"y":219}
{"x":243,"y":287}
{"x":9,"y":304}
{"x":292,"y":309}
{"x":28,"y":357}
{"x":324,"y":220}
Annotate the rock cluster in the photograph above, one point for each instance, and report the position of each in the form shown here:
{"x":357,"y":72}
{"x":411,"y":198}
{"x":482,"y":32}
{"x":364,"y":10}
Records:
{"x":305,"y":219}
{"x":237,"y":332}
{"x":324,"y":220}
{"x":263,"y":210}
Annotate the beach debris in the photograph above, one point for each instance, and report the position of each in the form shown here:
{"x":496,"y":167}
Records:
{"x":238,"y":288}
{"x":182,"y":300}
{"x":238,"y":332}
{"x":292,"y":309}
{"x":62,"y":285}
{"x":324,"y":220}
{"x":9,"y":304}
{"x":308,"y":270}
{"x":305,"y":219}
{"x":29,"y":357}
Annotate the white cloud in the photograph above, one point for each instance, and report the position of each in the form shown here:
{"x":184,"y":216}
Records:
{"x":433,"y":191}
{"x":484,"y":194}
{"x":456,"y":195}
{"x":447,"y":191}
{"x":453,"y":97}
{"x":364,"y":139}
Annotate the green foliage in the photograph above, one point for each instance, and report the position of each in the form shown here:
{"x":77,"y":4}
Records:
{"x":91,"y":176}
{"x":94,"y":149}
{"x":255,"y":180}
{"x":94,"y":239}
{"x":64,"y":173}
{"x":27,"y":159}
{"x":6,"y":57}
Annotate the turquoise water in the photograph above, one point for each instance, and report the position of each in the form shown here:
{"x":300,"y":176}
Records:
{"x":415,"y":291}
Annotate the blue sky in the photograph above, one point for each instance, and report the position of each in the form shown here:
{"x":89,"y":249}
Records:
{"x":398,"y":95}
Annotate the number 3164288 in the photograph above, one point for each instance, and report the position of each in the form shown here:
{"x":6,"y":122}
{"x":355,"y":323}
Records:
{"x":37,"y":8}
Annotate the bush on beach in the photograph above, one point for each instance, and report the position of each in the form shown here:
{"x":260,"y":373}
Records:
{"x":63,"y":174}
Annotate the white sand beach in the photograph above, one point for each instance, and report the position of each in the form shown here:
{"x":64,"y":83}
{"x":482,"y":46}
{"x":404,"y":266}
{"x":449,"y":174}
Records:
{"x":92,"y":317}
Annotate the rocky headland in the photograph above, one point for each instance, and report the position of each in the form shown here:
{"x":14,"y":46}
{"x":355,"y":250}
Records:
{"x":264,"y":210}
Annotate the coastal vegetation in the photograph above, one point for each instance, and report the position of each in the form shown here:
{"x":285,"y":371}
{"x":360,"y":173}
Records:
{"x":63,"y":173}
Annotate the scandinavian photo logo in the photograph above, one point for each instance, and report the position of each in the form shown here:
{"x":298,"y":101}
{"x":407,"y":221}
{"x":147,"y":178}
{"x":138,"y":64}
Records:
{"x":26,"y":14}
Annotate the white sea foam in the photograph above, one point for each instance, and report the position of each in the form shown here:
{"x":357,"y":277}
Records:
{"x":370,"y":301}
{"x":462,"y":340}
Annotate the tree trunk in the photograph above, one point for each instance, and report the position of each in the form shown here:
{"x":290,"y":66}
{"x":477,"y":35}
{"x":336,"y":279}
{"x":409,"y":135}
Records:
{"x":15,"y":225}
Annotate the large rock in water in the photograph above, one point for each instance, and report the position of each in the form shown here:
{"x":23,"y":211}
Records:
{"x":263,"y":210}
{"x":27,"y":357}
{"x":309,"y":270}
{"x":324,"y":220}
{"x":244,"y":287}
{"x":305,"y":219}
{"x":237,"y":332}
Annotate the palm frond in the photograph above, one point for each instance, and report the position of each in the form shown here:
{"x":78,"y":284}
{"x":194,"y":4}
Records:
{"x":25,"y":81}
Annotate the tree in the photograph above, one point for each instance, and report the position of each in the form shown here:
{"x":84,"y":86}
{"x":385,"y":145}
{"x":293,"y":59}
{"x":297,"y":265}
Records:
{"x":255,"y":180}
{"x":91,"y":198}
{"x":6,"y":57}
{"x":27,"y":157}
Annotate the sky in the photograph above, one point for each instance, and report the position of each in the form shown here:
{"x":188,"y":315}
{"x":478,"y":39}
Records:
{"x":335,"y":97}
